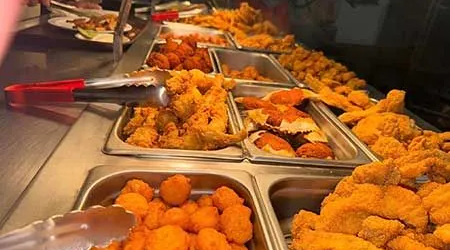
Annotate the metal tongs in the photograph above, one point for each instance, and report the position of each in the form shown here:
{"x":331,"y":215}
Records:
{"x":143,"y":89}
{"x":77,"y":230}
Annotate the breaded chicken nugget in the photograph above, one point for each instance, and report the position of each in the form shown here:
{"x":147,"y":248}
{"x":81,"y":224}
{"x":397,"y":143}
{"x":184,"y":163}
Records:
{"x":193,"y":242}
{"x":189,"y":206}
{"x":210,"y":239}
{"x":205,"y":201}
{"x":224,"y":197}
{"x":175,"y":216}
{"x":238,"y":247}
{"x":136,"y":239}
{"x":167,"y":238}
{"x":140,"y":187}
{"x":156,"y":209}
{"x":133,"y":202}
{"x":204,"y":217}
{"x":175,"y":190}
{"x":236,"y":225}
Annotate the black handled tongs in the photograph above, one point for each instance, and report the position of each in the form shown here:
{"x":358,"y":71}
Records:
{"x":148,"y":88}
{"x":80,"y":230}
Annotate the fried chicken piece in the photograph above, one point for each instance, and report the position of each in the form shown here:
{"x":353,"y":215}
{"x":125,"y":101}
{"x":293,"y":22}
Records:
{"x":428,"y":239}
{"x":189,"y":207}
{"x":136,"y":239}
{"x":319,"y":240}
{"x":303,"y":220}
{"x":426,"y":188}
{"x":401,"y":127}
{"x":379,"y":231}
{"x":159,"y":60}
{"x":394,"y":103}
{"x":140,"y":187}
{"x":236,"y":225}
{"x":133,"y":202}
{"x":193,"y":242}
{"x":167,"y":238}
{"x":156,"y":209}
{"x":389,"y":147}
{"x":292,"y":97}
{"x":315,"y":150}
{"x":443,"y":233}
{"x":205,"y":201}
{"x":272,"y":144}
{"x":360,"y":99}
{"x":204,"y":217}
{"x":174,"y":60}
{"x":378,"y":173}
{"x":406,"y":243}
{"x":175,"y":190}
{"x":145,"y":136}
{"x":437,"y":203}
{"x":336,"y":100}
{"x":250,"y":102}
{"x":428,"y":140}
{"x":210,"y":239}
{"x":225,"y":197}
{"x":135,"y":122}
{"x":175,"y":216}
{"x":343,"y":90}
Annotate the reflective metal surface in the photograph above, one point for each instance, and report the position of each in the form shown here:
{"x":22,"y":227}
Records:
{"x":178,"y":31}
{"x":264,"y":64}
{"x":105,"y":182}
{"x":347,"y":153}
{"x":285,"y":195}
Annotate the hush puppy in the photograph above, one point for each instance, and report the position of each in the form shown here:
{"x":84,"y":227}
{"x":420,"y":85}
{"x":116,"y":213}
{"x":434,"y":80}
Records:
{"x":236,"y":225}
{"x":167,"y":238}
{"x":175,"y":216}
{"x":210,"y":239}
{"x":225,"y":197}
{"x":189,"y":206}
{"x":156,"y":209}
{"x":140,"y":187}
{"x":238,"y":247}
{"x":175,"y":190}
{"x":133,"y":202}
{"x":204,"y":217}
{"x":205,"y":201}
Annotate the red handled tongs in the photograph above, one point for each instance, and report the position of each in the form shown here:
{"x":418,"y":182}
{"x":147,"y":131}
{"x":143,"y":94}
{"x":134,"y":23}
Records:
{"x":149,"y":89}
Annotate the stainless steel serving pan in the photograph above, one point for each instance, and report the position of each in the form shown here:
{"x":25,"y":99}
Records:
{"x":155,"y":48}
{"x":288,"y":73}
{"x":104,"y":183}
{"x":116,"y":145}
{"x":348,"y":153}
{"x":285,"y":195}
{"x":177,"y":30}
{"x":266,"y":65}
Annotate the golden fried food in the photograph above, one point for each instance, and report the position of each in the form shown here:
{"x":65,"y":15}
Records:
{"x":105,"y":22}
{"x":197,"y":37}
{"x":175,"y":216}
{"x":267,"y":42}
{"x":437,"y":203}
{"x":140,"y":187}
{"x":205,"y":201}
{"x":196,"y":117}
{"x":236,"y":225}
{"x":320,"y":240}
{"x":406,"y":243}
{"x":245,"y":20}
{"x":388,"y":147}
{"x":292,"y":97}
{"x":204,"y":217}
{"x":159,"y":60}
{"x":336,"y":100}
{"x":175,"y":190}
{"x":303,"y":220}
{"x":189,"y":206}
{"x":249,"y":73}
{"x":136,"y":239}
{"x":379,"y":231}
{"x":443,"y":233}
{"x":193,"y":242}
{"x":272,"y":144}
{"x":156,"y":209}
{"x":167,"y":238}
{"x":133,"y":202}
{"x":238,"y":247}
{"x":210,"y":239}
{"x":360,"y":99}
{"x":315,"y":150}
{"x":225,"y":197}
{"x":428,"y":140}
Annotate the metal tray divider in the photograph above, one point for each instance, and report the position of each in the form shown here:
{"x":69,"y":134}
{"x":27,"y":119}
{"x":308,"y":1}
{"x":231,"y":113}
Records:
{"x":272,"y":159}
{"x":288,"y":73}
{"x":99,"y":174}
{"x":275,"y":63}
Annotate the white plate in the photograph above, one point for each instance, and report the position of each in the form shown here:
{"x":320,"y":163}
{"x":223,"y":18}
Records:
{"x":62,"y":22}
{"x":101,"y":38}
